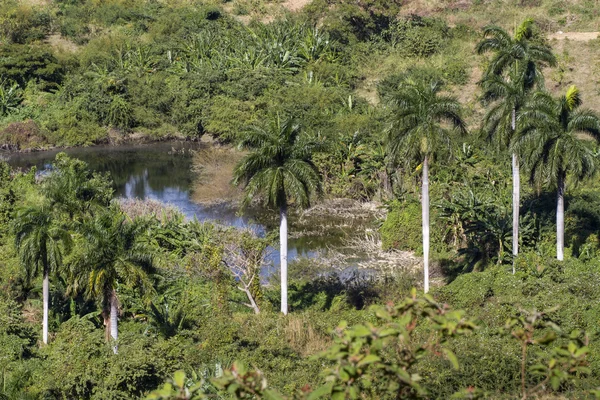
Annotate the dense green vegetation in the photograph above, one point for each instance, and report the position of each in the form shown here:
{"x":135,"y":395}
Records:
{"x":369,"y":100}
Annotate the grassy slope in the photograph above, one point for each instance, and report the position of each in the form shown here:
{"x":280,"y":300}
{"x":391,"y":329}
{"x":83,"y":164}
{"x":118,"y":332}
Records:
{"x":578,"y":59}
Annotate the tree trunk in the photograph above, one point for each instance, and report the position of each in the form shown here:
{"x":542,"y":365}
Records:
{"x":516,"y":193}
{"x":283,"y":257}
{"x":425,"y":211}
{"x":516,"y":203}
{"x":45,"y":295}
{"x":114,"y":320}
{"x":560,"y":216}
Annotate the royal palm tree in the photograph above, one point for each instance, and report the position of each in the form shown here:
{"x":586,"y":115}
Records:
{"x":514,"y":70}
{"x":41,"y":242}
{"x":111,"y":253}
{"x":73,"y":189}
{"x":420,"y":128}
{"x":279,"y":170}
{"x":552,"y":134}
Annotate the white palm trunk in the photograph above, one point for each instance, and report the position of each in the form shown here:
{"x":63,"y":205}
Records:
{"x":516,"y":203}
{"x":560,"y":217}
{"x":114,"y":320}
{"x":45,"y":295}
{"x":516,"y":194}
{"x":283,"y":257}
{"x":425,"y":211}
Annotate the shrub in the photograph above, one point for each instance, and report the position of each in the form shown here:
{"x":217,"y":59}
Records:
{"x":22,"y":63}
{"x":402,"y":227}
{"x":22,"y":135}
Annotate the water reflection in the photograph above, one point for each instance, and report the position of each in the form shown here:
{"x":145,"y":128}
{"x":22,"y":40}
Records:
{"x":163,"y":172}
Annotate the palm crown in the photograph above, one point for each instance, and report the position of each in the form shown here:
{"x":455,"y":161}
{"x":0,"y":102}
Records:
{"x":519,"y":54}
{"x":280,"y":166}
{"x":112,"y":253}
{"x":417,"y":129}
{"x":41,"y":240}
{"x":551,"y":136}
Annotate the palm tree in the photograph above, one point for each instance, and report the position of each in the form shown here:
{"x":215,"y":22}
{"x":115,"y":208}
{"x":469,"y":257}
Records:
{"x":279,"y":169}
{"x":73,"y":189}
{"x":41,"y":242}
{"x":418,"y":131}
{"x":111,"y":253}
{"x":512,"y":73}
{"x":552,"y":136}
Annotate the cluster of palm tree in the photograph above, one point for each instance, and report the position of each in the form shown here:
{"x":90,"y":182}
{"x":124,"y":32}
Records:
{"x":74,"y":232}
{"x":522,"y":118}
{"x":538,"y":129}
{"x":75,"y":219}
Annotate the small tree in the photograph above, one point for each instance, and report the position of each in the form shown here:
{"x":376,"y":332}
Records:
{"x":111,"y":253}
{"x":41,"y":241}
{"x":244,"y":255}
{"x":550,"y":136}
{"x":418,"y":132}
{"x":279,"y":170}
{"x":513,"y":71}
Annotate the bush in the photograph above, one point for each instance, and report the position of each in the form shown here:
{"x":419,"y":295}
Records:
{"x":402,"y":228}
{"x":418,"y":36}
{"x":22,"y":63}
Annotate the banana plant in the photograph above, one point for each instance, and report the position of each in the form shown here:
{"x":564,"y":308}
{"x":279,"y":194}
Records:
{"x":10,"y":98}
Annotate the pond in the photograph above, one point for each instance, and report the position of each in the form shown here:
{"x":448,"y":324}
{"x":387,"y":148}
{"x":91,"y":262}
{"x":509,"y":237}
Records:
{"x":163,"y":172}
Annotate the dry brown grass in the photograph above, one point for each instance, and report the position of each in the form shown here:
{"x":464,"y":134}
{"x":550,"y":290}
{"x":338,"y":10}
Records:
{"x":580,"y":62}
{"x":302,"y":337}
{"x":214,"y":167}
{"x":134,"y":208}
{"x":61,"y":44}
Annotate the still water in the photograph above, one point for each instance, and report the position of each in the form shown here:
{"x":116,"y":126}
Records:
{"x":163,"y":172}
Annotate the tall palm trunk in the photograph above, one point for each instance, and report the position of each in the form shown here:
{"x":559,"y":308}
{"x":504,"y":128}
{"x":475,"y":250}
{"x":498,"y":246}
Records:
{"x":45,"y":295}
{"x":516,"y":195}
{"x":283,"y":256}
{"x":560,"y":216}
{"x":425,"y":211}
{"x":114,"y":320}
{"x":516,"y":203}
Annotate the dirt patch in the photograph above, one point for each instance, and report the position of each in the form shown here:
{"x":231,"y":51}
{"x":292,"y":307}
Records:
{"x":575,"y":36}
{"x":579,"y":63}
{"x":264,"y":11}
{"x":61,"y":44}
{"x":295,"y":5}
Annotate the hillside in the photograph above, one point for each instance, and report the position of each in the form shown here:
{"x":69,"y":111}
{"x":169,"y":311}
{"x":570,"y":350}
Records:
{"x":368,"y":133}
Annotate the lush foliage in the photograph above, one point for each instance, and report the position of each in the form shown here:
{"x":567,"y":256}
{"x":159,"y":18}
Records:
{"x":191,"y":298}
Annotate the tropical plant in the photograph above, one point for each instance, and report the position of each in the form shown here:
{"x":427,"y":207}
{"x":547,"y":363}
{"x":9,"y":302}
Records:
{"x":10,"y":98}
{"x":112,"y":252}
{"x":73,"y":189}
{"x":514,"y":70}
{"x":41,"y":241}
{"x":420,"y":128}
{"x":281,"y":171}
{"x":551,"y":137}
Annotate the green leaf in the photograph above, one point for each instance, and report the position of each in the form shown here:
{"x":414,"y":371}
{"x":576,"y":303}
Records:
{"x":361,"y":331}
{"x":451,"y":357}
{"x":370,"y":359}
{"x":179,"y":378}
{"x":321,"y":391}
{"x":338,"y":396}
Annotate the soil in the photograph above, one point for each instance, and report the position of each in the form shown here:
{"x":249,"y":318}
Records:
{"x":575,"y":36}
{"x":295,"y":5}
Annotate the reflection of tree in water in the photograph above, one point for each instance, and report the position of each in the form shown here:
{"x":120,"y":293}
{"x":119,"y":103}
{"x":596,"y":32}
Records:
{"x":148,"y":169}
{"x":140,"y":173}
